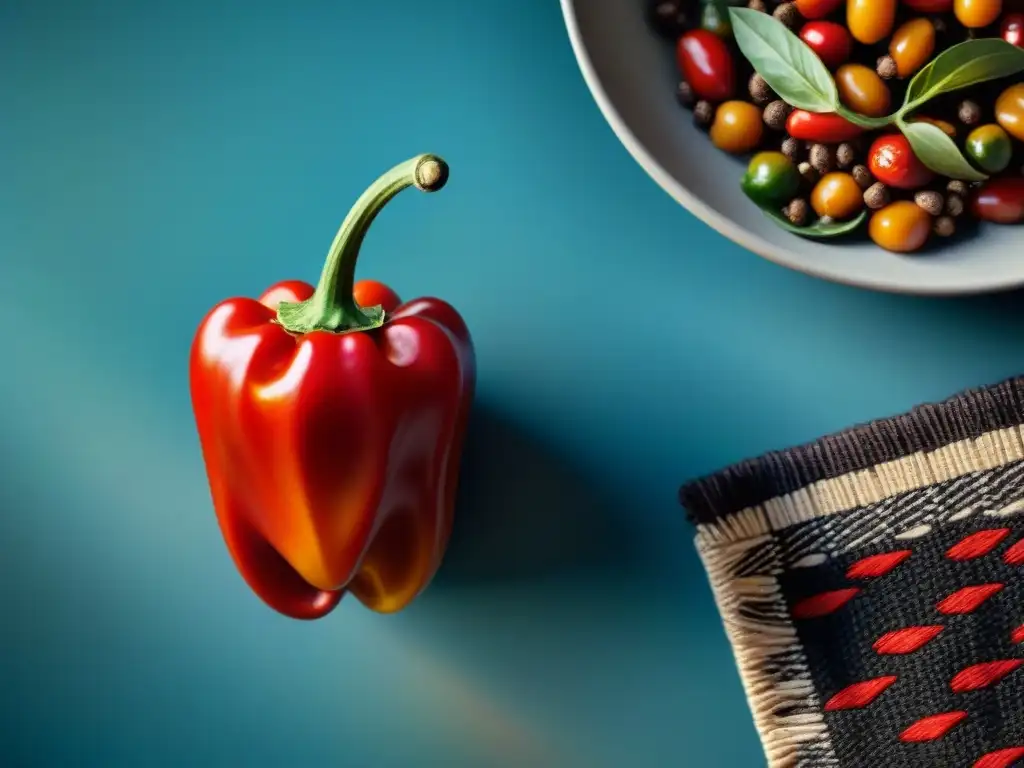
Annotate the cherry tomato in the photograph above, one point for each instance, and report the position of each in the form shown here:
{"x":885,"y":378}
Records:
{"x":990,"y":148}
{"x":771,"y":179}
{"x":929,"y":6}
{"x":829,"y":40}
{"x":862,"y":90}
{"x":738,"y":127}
{"x":817,"y":9}
{"x":1000,"y":201}
{"x":706,"y":64}
{"x":827,"y":128}
{"x":837,"y":195}
{"x":1010,"y":110}
{"x":870,"y":21}
{"x":1013,"y":29}
{"x":901,"y":227}
{"x":975,"y":14}
{"x":893,"y":162}
{"x":912,"y":46}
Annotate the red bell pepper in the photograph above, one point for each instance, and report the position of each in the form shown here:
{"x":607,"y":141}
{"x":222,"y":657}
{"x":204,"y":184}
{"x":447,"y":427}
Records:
{"x":331,"y":423}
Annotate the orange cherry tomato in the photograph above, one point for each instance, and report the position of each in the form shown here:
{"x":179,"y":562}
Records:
{"x":893,"y":162}
{"x":912,"y":46}
{"x":901,"y":227}
{"x":837,"y":195}
{"x":829,"y":40}
{"x":828,"y":128}
{"x":870,"y":21}
{"x":1010,"y":111}
{"x":975,"y":14}
{"x":737,"y":128}
{"x":817,"y":9}
{"x":862,"y":90}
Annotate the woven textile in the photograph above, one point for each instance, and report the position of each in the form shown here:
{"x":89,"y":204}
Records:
{"x":872,"y":587}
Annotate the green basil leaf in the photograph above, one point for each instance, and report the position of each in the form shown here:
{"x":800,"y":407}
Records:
{"x":967,"y":63}
{"x":788,"y":65}
{"x":817,"y":230}
{"x":939,"y":152}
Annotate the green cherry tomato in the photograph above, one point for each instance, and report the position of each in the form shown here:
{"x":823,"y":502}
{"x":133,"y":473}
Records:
{"x":990,"y":148}
{"x":771,"y":179}
{"x":715,"y":19}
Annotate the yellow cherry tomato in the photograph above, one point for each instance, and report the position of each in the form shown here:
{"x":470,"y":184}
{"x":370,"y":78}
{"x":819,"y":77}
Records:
{"x":862,"y":90}
{"x":837,"y":195}
{"x":901,"y":227}
{"x":737,"y":128}
{"x":870,"y":21}
{"x":1010,"y":110}
{"x":912,"y":45}
{"x":975,"y":14}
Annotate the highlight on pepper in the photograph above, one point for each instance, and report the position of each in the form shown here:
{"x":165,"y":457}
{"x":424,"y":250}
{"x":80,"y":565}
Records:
{"x":331,"y":421}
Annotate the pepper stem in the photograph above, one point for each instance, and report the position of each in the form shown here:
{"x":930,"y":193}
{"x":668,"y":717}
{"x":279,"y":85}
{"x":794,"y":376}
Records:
{"x":332,"y":307}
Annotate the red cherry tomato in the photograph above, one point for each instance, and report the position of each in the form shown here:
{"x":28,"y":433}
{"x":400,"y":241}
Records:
{"x":828,"y":128}
{"x":831,"y":41}
{"x":893,"y":162}
{"x":929,"y":6}
{"x":817,"y":9}
{"x":1013,"y":29}
{"x":1000,"y":201}
{"x":706,"y":64}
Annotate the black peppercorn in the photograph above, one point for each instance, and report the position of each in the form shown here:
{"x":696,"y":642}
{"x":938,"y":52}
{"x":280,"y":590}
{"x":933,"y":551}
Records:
{"x":862,"y":176}
{"x":807,"y":172}
{"x":845,"y":155}
{"x":969,"y":112}
{"x":667,"y":18}
{"x":797,"y":211}
{"x":876,"y":196}
{"x":684,"y":94}
{"x":760,"y":92}
{"x":757,"y":5}
{"x":945,"y":226}
{"x":929,"y":201}
{"x":787,"y":14}
{"x":886,"y":67}
{"x":775,"y":114}
{"x":821,"y":158}
{"x":793,"y":149}
{"x":703,"y":114}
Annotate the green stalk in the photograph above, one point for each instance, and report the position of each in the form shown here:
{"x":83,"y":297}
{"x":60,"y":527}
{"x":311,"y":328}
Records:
{"x":332,"y":307}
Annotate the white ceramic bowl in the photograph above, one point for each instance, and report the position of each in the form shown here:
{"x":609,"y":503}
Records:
{"x":633,"y":77}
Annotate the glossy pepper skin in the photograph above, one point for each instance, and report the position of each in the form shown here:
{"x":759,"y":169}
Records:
{"x":331,"y":423}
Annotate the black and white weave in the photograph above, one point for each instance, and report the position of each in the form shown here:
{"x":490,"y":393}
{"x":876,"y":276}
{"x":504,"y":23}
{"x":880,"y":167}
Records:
{"x":872,"y":586}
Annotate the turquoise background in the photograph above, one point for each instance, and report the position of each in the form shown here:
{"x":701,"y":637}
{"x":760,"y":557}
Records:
{"x":157,"y":157}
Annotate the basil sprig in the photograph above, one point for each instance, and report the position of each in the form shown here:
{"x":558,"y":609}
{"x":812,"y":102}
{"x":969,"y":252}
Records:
{"x":800,"y":78}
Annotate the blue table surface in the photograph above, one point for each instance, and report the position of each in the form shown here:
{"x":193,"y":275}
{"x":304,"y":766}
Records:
{"x":158,"y":157}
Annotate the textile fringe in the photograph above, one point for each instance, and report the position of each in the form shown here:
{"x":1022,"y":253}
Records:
{"x":788,"y":714}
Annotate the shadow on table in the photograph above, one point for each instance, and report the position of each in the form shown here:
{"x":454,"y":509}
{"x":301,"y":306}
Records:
{"x":523,"y":514}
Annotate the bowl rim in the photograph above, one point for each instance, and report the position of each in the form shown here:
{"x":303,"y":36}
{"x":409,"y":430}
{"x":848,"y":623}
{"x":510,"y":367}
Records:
{"x":723,"y":224}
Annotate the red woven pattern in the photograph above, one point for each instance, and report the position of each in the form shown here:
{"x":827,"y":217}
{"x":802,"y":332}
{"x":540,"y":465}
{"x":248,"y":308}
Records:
{"x":914,"y":639}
